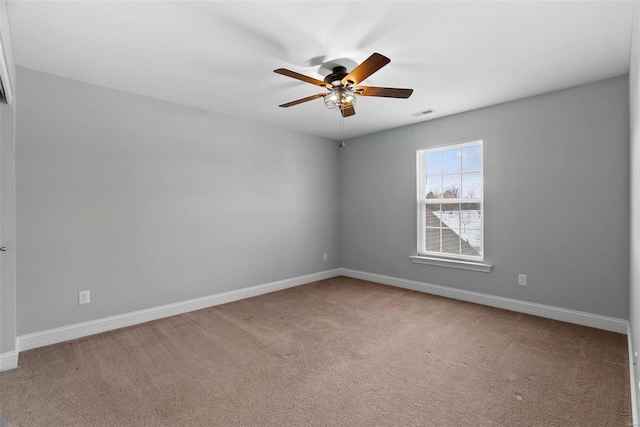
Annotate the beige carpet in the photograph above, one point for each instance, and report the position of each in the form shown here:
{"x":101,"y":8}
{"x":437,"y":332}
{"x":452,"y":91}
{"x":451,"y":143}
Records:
{"x":340,"y":352}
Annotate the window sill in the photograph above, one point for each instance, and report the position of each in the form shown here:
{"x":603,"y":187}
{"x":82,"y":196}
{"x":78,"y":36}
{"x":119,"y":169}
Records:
{"x":452,"y":263}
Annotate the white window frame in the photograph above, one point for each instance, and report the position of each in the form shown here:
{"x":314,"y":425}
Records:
{"x":422,"y":202}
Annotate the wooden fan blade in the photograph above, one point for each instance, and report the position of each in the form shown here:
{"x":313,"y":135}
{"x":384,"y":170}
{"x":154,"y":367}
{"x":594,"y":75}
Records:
{"x":364,"y":70}
{"x":347,"y":111}
{"x":387,"y":92}
{"x":302,"y":77}
{"x":300,"y":101}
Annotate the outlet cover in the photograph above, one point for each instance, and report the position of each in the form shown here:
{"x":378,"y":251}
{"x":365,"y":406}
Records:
{"x":522,"y":279}
{"x":84,"y":297}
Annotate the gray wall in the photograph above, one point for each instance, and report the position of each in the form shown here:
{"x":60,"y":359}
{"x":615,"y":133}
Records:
{"x":7,"y":196}
{"x":556,"y":198}
{"x":7,"y":230}
{"x":634,"y":101}
{"x":146,"y":203}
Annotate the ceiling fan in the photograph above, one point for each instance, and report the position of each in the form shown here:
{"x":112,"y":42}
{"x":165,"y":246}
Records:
{"x":343,"y":86}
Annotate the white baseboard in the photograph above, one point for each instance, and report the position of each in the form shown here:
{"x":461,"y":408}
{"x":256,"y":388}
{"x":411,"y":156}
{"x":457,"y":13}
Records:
{"x":79,"y":330}
{"x":572,"y":316}
{"x":65,"y":333}
{"x":634,"y":401}
{"x":8,"y":360}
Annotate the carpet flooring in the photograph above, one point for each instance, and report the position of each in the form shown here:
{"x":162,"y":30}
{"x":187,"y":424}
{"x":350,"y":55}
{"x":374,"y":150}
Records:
{"x":339,"y":352}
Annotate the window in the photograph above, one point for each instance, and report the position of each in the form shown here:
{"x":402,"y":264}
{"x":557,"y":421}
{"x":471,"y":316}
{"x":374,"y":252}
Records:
{"x":450,"y":202}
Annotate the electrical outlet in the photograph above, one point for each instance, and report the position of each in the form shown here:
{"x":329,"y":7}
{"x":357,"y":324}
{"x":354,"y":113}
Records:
{"x":522,"y":279}
{"x":84,"y":297}
{"x":325,"y":257}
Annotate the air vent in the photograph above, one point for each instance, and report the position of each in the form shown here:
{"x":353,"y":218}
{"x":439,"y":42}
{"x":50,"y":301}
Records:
{"x":422,"y":113}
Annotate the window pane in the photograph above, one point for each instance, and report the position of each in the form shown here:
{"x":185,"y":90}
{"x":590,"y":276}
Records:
{"x":471,"y":185}
{"x":472,"y":158}
{"x":432,"y":240}
{"x":451,"y":186}
{"x":434,"y":163}
{"x":451,"y":160}
{"x":451,"y":228}
{"x":467,"y":206}
{"x":451,"y":216}
{"x":468,"y":250}
{"x":471,"y":229}
{"x":450,"y":242}
{"x":434,"y":186}
{"x":433,"y":214}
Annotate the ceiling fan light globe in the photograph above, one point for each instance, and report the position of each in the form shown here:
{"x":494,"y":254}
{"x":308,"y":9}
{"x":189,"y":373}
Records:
{"x":340,"y":97}
{"x":330,"y":103}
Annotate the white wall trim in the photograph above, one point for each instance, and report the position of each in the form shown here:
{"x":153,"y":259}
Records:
{"x":8,"y":360}
{"x":634,"y":401}
{"x":79,"y":330}
{"x":572,"y":316}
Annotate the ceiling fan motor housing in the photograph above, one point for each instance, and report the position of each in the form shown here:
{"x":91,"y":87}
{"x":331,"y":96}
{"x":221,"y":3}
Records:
{"x":335,"y":78}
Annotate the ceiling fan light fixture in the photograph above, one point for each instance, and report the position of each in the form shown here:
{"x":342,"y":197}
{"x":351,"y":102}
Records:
{"x":339,"y":97}
{"x":342,"y":85}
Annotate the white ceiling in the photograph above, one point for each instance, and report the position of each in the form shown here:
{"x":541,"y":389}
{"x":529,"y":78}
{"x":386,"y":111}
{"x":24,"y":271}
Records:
{"x":220,"y":55}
